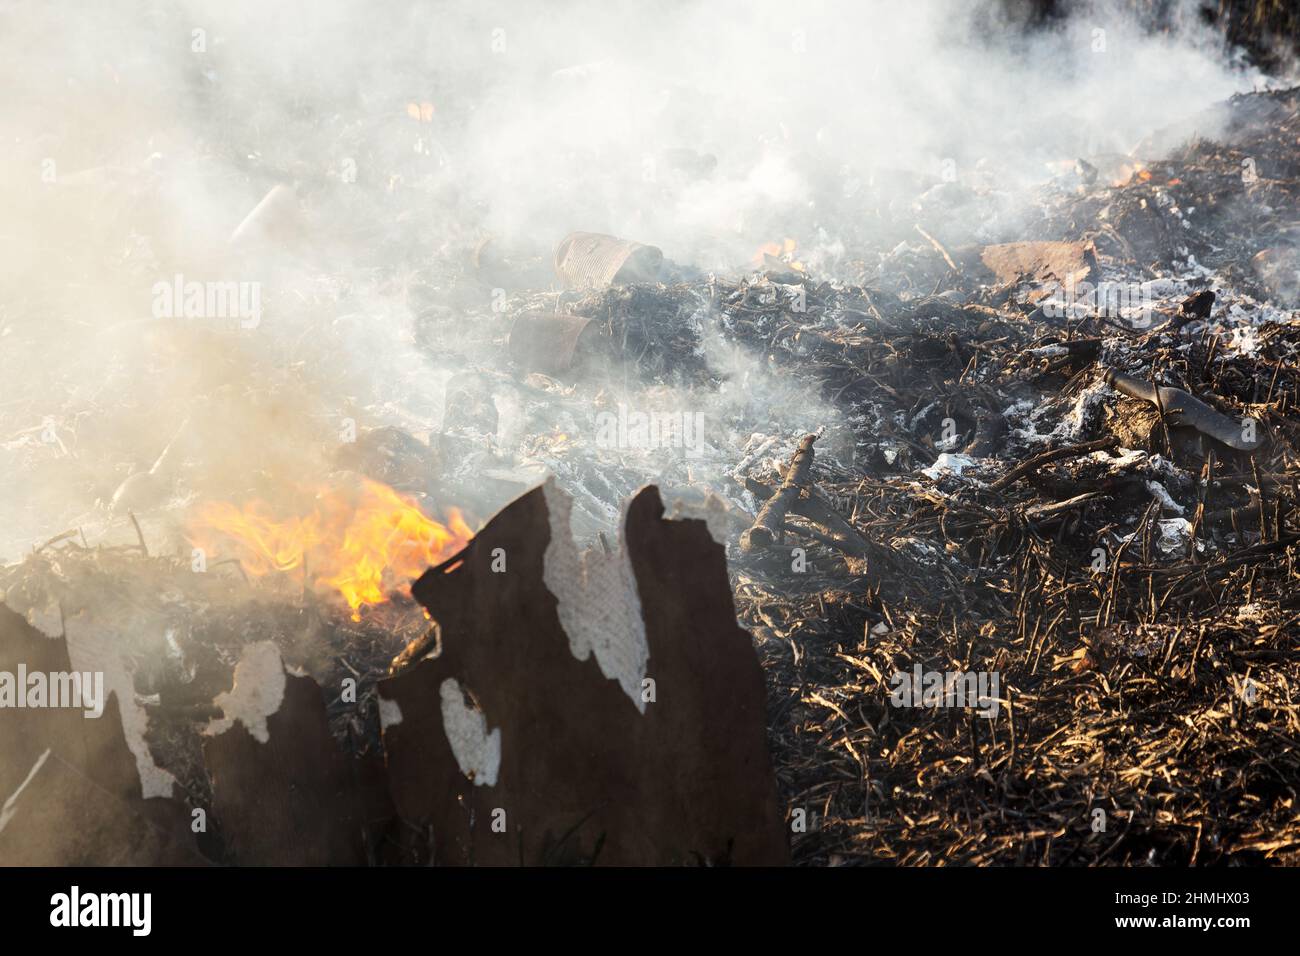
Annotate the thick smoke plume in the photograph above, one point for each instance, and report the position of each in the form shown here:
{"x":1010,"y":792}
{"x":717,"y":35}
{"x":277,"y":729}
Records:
{"x":139,"y":136}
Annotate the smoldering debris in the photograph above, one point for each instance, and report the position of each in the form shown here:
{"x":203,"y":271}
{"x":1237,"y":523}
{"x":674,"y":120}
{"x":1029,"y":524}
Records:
{"x":992,"y":501}
{"x":595,"y":767}
{"x":853,"y":490}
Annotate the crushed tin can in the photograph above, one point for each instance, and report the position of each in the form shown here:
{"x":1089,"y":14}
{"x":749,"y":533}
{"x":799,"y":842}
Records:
{"x":590,"y":260}
{"x":548,"y":341}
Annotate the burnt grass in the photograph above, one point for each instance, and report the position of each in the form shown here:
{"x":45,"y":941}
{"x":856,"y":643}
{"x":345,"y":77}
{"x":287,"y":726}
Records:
{"x":1147,"y":675}
{"x":1186,"y":740}
{"x":1154,"y":683}
{"x":1147,"y":684}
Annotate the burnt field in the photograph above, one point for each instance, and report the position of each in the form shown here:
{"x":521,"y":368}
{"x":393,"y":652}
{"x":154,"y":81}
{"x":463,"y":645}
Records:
{"x":523,"y":456}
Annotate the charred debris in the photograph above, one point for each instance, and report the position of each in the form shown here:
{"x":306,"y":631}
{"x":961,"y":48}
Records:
{"x":1065,"y":460}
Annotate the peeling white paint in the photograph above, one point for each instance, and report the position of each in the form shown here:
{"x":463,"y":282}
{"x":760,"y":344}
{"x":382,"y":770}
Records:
{"x":714,"y":510}
{"x":390,"y":715}
{"x":94,"y":647}
{"x":596,"y":599}
{"x":257,"y":694}
{"x":477,"y":752}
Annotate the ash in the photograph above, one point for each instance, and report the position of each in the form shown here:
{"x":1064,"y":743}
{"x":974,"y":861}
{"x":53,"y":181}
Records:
{"x":979,"y":500}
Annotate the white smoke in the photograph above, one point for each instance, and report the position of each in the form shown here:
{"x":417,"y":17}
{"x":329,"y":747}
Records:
{"x":411,"y":130}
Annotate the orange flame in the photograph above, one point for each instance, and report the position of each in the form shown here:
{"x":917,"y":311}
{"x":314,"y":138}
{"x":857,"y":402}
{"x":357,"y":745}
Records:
{"x":359,"y":544}
{"x":776,"y":250}
{"x":1135,"y":172}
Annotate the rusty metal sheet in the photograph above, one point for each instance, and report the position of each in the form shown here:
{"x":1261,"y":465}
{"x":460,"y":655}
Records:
{"x":282,"y":790}
{"x":529,"y":738}
{"x":59,"y":816}
{"x":70,"y":789}
{"x":95,"y":745}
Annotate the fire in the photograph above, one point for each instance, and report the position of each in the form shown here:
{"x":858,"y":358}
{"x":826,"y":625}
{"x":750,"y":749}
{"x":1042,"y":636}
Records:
{"x":421,"y":112}
{"x":783,"y":250}
{"x":1135,"y":172}
{"x":361,"y":543}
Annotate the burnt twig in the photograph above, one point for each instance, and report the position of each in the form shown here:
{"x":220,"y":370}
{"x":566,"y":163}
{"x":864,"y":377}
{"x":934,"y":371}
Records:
{"x":767,"y":526}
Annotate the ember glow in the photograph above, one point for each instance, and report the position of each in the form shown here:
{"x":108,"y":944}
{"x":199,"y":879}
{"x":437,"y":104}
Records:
{"x":360,"y":544}
{"x":777,"y":250}
{"x":809,"y":374}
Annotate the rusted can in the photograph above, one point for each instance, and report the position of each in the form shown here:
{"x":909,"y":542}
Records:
{"x":547,"y":341}
{"x":589,"y":260}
